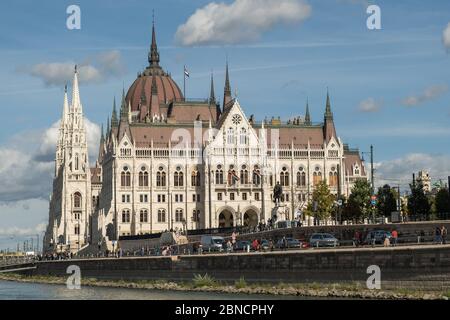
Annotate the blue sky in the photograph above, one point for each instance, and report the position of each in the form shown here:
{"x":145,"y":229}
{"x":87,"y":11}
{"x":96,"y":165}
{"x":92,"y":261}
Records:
{"x":274,"y":73}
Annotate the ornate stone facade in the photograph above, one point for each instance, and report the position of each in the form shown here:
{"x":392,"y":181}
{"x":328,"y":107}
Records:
{"x":167,"y":163}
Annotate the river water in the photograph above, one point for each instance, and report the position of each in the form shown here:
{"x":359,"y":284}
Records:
{"x":10,"y":290}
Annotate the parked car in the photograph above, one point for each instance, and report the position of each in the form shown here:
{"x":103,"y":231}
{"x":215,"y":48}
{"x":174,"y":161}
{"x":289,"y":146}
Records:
{"x":241,"y":245}
{"x":378,"y":236}
{"x":323,"y":240}
{"x":291,"y":243}
{"x":265,"y":244}
{"x":212,"y":243}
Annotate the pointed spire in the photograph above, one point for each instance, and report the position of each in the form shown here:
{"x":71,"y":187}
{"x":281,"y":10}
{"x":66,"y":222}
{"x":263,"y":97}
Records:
{"x":76,"y":103}
{"x":227,"y":90}
{"x":153,"y":55}
{"x":107,"y":126}
{"x":102,"y":136}
{"x":328,"y":113}
{"x":212,"y":97}
{"x":114,"y":121}
{"x":123,"y":106}
{"x":227,"y":82}
{"x":307,"y":115}
{"x":65,"y":107}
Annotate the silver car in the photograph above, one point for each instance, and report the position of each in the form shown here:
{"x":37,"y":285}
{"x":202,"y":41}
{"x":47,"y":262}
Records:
{"x":323,"y":240}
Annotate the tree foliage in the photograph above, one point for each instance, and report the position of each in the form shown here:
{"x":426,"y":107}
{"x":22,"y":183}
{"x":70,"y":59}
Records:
{"x":322,"y":202}
{"x":387,"y":202}
{"x":358,"y":205}
{"x":418,"y":203}
{"x":442,"y":202}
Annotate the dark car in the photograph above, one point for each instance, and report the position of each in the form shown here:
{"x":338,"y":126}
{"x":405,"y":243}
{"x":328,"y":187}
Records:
{"x":323,"y":240}
{"x":265,"y":244}
{"x":291,"y":243}
{"x":242,"y":245}
{"x":377,"y":236}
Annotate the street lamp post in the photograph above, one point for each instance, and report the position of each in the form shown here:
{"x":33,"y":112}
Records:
{"x":372,"y":170}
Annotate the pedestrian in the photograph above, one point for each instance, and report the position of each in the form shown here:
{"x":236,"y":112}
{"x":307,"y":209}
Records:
{"x":285,"y":243}
{"x":356,"y":238}
{"x":386,"y":242}
{"x":255,"y":245}
{"x":444,"y":234}
{"x":437,"y":235}
{"x":394,"y":237}
{"x":229,"y":246}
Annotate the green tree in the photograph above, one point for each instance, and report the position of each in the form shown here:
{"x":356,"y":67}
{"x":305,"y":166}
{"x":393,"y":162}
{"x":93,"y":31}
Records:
{"x":418,"y":203}
{"x":321,"y":205}
{"x":442,"y":203}
{"x":387,"y":202}
{"x":358,"y":205}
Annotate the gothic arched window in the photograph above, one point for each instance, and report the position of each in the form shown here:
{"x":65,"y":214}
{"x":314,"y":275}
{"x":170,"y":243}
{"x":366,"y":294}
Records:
{"x":179,"y":215}
{"x":178,"y":177}
{"x":244,"y":175}
{"x":77,"y":200}
{"x":195,"y":178}
{"x":301,"y":177}
{"x":333,"y":177}
{"x":143,"y":216}
{"x":126,"y":216}
{"x":284,"y":177}
{"x":125,"y":177}
{"x":161,"y":177}
{"x":143,"y":177}
{"x":256,"y":176}
{"x":230,"y":136}
{"x":243,"y":137}
{"x":219,"y":175}
{"x":317,"y":176}
{"x":161,"y":215}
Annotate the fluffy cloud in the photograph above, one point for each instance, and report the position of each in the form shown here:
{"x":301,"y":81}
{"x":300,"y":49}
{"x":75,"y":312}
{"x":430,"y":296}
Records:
{"x":430,"y":93}
{"x":446,"y":36}
{"x":102,"y":67}
{"x":399,"y":171}
{"x":370,"y":105}
{"x":242,"y":20}
{"x":26,"y":173}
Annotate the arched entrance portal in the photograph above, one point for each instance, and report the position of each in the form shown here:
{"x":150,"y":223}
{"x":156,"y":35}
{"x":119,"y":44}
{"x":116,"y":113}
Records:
{"x":250,"y":218}
{"x":225,"y":219}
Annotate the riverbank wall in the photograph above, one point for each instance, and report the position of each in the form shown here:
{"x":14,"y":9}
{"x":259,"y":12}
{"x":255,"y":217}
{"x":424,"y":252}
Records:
{"x":422,"y":267}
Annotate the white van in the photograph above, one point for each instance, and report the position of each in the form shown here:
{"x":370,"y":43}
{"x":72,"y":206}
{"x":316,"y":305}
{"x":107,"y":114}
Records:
{"x":212,"y":243}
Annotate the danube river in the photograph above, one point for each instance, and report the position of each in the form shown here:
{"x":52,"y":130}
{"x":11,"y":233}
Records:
{"x":10,"y":290}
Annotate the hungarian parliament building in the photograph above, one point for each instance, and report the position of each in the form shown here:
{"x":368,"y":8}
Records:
{"x":167,"y":163}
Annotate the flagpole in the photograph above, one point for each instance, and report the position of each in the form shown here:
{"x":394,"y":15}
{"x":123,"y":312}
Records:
{"x":184,"y":82}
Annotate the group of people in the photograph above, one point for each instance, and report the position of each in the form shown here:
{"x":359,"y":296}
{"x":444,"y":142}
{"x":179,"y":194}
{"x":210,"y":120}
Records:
{"x":440,"y":235}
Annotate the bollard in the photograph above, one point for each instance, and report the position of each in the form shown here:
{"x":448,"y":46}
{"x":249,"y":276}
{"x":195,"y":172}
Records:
{"x":418,"y":239}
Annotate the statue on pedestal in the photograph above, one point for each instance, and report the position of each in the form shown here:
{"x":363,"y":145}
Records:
{"x":277,"y":192}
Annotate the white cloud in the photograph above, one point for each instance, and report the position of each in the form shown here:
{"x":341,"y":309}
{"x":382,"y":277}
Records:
{"x":446,"y":36}
{"x":27,"y":173}
{"x":400,"y":170}
{"x":240,"y":21}
{"x":370,"y":105}
{"x":102,"y":67}
{"x":429,"y":93}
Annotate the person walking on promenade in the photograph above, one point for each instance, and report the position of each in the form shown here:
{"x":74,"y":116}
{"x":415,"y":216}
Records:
{"x":444,"y":234}
{"x":229,"y":246}
{"x":356,"y":238}
{"x":394,"y":237}
{"x":386,"y":242}
{"x":437,"y":235}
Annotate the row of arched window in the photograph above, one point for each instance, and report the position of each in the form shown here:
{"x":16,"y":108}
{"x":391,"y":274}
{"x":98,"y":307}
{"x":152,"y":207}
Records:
{"x":233,"y":176}
{"x":161,"y":178}
{"x":143,"y":215}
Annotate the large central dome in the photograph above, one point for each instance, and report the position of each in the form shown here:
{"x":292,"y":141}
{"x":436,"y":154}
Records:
{"x":153,"y":81}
